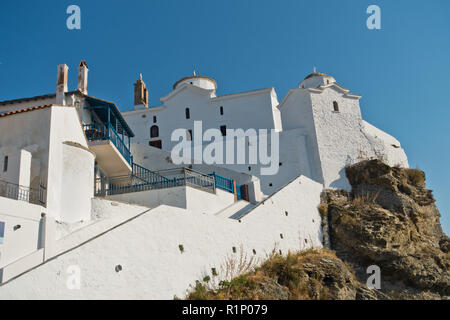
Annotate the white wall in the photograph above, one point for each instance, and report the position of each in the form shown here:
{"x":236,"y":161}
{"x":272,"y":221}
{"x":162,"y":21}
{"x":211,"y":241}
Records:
{"x":147,"y":248}
{"x":253,"y":109}
{"x":35,"y":139}
{"x":71,"y":168}
{"x":386,"y":147}
{"x":181,"y":197}
{"x":21,"y":241}
{"x":59,"y":158}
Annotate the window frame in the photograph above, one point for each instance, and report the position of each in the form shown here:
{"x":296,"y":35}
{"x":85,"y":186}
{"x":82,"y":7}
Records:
{"x":336,"y":106}
{"x":2,"y":232}
{"x":223,"y":130}
{"x":5,"y":163}
{"x":154,"y":131}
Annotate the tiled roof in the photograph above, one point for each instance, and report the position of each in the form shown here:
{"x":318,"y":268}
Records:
{"x":10,"y":113}
{"x":42,"y":97}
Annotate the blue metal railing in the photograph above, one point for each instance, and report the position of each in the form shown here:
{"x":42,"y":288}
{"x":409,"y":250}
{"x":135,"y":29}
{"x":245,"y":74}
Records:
{"x":146,"y":175}
{"x":223,"y":182}
{"x":227,"y":184}
{"x":97,"y":131}
{"x":239,"y":192}
{"x":143,"y":179}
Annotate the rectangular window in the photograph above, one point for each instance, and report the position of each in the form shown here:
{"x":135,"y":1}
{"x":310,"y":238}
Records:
{"x":5,"y":164}
{"x":156,"y":144}
{"x":2,"y":231}
{"x":223,"y":129}
{"x":154,"y":119}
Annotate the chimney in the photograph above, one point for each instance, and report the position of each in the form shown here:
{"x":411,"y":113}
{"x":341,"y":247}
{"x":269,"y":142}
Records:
{"x":82,"y":77}
{"x":140,"y":93}
{"x":61,"y":84}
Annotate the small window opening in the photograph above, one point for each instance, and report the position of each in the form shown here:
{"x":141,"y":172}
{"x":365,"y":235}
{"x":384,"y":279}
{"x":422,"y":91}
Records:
{"x":154,"y":132}
{"x":154,"y":119}
{"x":223,"y":129}
{"x":5,"y":164}
{"x":155,"y":144}
{"x":221,"y":111}
{"x":2,"y":231}
{"x":188,"y":113}
{"x":336,"y":106}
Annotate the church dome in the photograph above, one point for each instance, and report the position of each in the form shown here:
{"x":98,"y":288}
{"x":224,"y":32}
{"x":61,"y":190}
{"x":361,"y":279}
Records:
{"x":316,"y":74}
{"x":198,"y":81}
{"x":316,"y":79}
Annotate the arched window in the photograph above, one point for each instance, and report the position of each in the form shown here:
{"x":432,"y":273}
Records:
{"x":154,"y":132}
{"x":188,"y":113}
{"x":335,"y":106}
{"x":221,"y":111}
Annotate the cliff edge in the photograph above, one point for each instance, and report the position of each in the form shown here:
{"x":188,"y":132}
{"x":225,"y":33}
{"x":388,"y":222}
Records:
{"x":389,"y":220}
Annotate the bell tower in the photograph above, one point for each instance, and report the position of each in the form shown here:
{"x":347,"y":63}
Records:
{"x":140,"y":93}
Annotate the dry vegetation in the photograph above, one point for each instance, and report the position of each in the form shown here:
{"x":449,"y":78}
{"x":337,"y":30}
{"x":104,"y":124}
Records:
{"x":416,"y":177}
{"x":362,"y":200}
{"x":279,"y":277}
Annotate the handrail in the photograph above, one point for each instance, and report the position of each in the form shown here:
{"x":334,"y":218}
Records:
{"x":123,"y":149}
{"x":143,"y":179}
{"x":97,"y":131}
{"x":23,"y":193}
{"x":223,"y":182}
{"x":145,"y":174}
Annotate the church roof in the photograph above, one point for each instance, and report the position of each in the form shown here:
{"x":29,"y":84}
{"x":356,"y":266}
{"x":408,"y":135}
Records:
{"x":316,"y":74}
{"x":195,"y":77}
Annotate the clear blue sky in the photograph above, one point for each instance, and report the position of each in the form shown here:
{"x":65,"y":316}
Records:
{"x":402,"y":71}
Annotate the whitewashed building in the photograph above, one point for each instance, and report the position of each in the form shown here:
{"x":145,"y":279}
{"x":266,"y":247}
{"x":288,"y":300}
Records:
{"x":319,"y":125}
{"x":92,"y":204}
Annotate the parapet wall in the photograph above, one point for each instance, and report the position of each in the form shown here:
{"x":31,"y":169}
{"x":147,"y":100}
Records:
{"x":162,"y":252}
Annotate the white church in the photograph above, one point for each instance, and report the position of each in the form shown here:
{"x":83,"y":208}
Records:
{"x":93,"y":204}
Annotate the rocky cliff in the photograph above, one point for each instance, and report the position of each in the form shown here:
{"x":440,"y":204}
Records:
{"x":388,"y":220}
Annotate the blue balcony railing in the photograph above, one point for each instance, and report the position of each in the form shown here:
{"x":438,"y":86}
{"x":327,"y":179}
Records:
{"x":143,"y":179}
{"x":223,"y":182}
{"x":100,"y":131}
{"x":227,"y":184}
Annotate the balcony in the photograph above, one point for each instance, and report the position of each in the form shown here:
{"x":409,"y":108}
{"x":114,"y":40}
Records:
{"x":112,"y":154}
{"x":143,"y":179}
{"x":108,"y":136}
{"x":22,"y":193}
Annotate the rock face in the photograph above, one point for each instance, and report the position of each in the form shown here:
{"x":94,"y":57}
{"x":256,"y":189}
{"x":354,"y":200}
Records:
{"x":390,"y":220}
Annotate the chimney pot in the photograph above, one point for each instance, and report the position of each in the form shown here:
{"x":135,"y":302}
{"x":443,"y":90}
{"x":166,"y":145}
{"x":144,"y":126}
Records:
{"x":83,"y":77}
{"x":61,"y":84}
